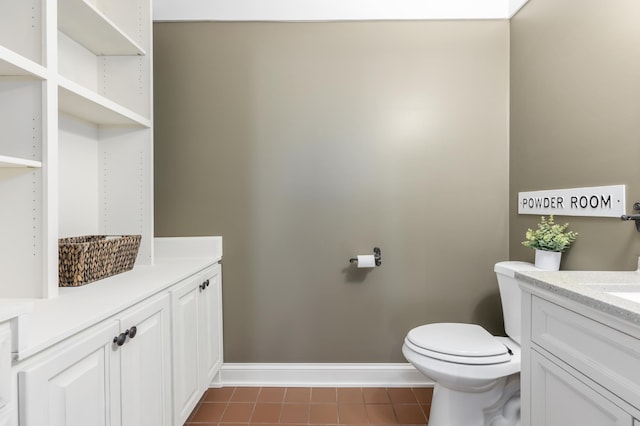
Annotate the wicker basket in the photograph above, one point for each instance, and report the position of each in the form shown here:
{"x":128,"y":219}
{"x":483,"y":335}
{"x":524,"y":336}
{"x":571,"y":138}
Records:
{"x":92,"y":257}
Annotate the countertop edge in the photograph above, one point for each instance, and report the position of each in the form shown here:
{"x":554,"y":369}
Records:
{"x":588,"y":288}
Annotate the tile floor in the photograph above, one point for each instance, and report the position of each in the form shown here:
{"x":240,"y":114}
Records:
{"x":267,"y":406}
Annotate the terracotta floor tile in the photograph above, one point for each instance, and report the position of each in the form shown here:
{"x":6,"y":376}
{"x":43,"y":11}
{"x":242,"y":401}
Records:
{"x":423,"y":395}
{"x":352,"y":414}
{"x":237,"y":412}
{"x":426,"y":409}
{"x":266,"y":413}
{"x":295,"y":413}
{"x":410,"y":414}
{"x":208,"y":412}
{"x":232,"y":406}
{"x":375,"y":396}
{"x":381,"y":414}
{"x":245,"y":394}
{"x":299,"y":395}
{"x":291,"y":424}
{"x":323,"y":414}
{"x":402,"y":396}
{"x":350,"y":396}
{"x":219,"y":394}
{"x":326,"y":395}
{"x":271,"y":395}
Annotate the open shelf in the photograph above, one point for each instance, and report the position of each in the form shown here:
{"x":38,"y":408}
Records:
{"x":82,"y":103}
{"x":18,"y":162}
{"x":12,"y":64}
{"x":91,"y":28}
{"x":76,"y":124}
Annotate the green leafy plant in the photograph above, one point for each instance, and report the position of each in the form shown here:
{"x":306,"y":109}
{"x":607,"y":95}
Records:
{"x":549,"y":236}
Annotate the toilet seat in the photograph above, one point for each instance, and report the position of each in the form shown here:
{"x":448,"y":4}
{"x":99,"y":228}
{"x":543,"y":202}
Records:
{"x":459,"y":343}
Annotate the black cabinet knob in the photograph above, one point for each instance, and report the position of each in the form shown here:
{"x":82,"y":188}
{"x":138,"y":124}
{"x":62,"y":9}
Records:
{"x":120,"y":339}
{"x":202,"y":286}
{"x":207,"y":283}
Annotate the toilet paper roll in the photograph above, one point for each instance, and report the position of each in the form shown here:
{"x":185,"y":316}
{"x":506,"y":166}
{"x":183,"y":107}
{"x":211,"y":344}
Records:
{"x":366,"y":261}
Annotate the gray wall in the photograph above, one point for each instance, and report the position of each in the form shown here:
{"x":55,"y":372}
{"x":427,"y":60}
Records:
{"x":575,"y":118}
{"x":304,"y":144}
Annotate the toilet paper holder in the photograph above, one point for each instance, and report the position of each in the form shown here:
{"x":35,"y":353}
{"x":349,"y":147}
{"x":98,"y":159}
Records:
{"x":377,"y":255}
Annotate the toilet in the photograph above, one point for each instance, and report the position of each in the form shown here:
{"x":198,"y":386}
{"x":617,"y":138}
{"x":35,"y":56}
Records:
{"x":476,"y":375}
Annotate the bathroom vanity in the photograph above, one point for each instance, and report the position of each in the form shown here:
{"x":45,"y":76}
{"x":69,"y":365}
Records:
{"x":11,"y":314}
{"x":580,"y":348}
{"x":139,"y":348}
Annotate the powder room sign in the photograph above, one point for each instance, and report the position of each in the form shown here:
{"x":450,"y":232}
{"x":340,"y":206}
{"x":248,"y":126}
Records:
{"x":601,"y":201}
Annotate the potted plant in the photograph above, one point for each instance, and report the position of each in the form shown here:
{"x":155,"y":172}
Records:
{"x":549,"y":241}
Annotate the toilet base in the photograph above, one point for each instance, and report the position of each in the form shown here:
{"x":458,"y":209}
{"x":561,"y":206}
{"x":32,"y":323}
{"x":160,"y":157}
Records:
{"x":497,"y":406}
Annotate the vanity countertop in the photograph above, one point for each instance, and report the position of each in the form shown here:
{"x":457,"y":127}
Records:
{"x":592,"y":289}
{"x":10,"y":309}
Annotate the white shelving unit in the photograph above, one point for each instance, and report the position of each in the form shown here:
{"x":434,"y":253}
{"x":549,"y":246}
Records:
{"x":76,"y":142}
{"x":90,"y":27}
{"x":18,"y":162}
{"x":13,"y":64}
{"x":80,"y":102}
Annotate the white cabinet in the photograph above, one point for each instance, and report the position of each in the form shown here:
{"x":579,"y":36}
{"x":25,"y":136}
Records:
{"x":562,"y":399}
{"x":76,"y":98}
{"x":575,"y":369}
{"x":108,"y":375}
{"x":197,"y":339}
{"x":74,"y":386}
{"x":145,"y":365}
{"x":5,"y":374}
{"x":210,"y":325}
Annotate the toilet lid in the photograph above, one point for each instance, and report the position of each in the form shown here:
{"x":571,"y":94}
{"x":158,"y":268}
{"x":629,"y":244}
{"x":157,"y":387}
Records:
{"x":455,"y":342}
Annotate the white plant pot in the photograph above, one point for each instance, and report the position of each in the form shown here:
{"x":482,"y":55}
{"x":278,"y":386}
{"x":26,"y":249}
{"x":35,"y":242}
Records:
{"x":548,"y":260}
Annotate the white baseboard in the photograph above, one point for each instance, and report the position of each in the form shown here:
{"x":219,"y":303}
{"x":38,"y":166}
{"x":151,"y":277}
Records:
{"x":327,"y":375}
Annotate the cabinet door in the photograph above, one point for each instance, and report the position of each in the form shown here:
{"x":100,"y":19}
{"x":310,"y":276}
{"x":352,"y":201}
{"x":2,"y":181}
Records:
{"x":210,"y":327}
{"x":560,"y":399}
{"x":186,"y":383}
{"x":5,"y":375}
{"x":145,"y":365}
{"x":5,"y":366}
{"x":77,"y":386}
{"x":5,"y":419}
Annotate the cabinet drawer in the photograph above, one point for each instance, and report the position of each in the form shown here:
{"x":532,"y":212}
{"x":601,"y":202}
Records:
{"x":608,"y":356}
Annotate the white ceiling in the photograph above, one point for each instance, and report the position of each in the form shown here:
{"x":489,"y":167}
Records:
{"x":332,"y":10}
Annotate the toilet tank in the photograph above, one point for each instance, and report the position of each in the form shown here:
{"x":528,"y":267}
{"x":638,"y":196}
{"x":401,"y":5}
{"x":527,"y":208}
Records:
{"x":510,"y":295}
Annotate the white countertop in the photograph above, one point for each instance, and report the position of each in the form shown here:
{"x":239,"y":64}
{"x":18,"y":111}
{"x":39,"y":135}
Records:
{"x":10,"y":310}
{"x":590,"y":288}
{"x":76,"y":308}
